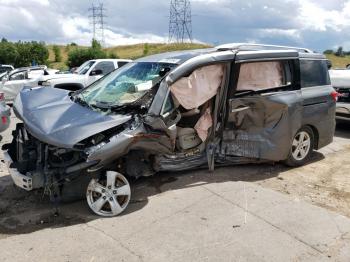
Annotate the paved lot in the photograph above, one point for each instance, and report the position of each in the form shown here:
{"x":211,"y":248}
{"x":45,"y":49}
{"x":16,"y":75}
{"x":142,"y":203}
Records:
{"x":245,"y":213}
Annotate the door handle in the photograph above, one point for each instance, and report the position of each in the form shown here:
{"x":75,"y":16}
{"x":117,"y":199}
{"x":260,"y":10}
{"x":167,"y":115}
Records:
{"x":235,"y":110}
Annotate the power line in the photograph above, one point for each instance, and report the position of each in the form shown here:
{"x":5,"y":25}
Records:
{"x":97,"y":19}
{"x":180,"y":21}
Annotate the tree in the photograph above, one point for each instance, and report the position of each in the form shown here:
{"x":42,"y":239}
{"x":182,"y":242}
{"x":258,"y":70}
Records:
{"x":145,"y":49}
{"x":339,"y":51}
{"x":113,"y":56}
{"x":23,"y":53}
{"x":57,"y":53}
{"x":78,"y":56}
{"x":328,"y":52}
{"x":8,"y":52}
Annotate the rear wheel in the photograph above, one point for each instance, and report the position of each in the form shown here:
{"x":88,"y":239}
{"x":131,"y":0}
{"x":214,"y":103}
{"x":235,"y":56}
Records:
{"x":108,"y":196}
{"x":301,"y":148}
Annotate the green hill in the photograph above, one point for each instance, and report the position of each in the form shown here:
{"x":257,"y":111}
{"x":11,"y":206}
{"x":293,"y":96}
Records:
{"x":137,"y":51}
{"x":125,"y":51}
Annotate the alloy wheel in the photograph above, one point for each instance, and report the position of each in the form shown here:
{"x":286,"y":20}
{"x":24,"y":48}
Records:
{"x":109,"y":196}
{"x":301,"y":145}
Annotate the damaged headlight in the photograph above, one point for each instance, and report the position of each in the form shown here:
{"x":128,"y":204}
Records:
{"x":93,"y":149}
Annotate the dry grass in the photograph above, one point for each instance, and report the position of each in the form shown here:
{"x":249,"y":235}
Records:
{"x":339,"y":62}
{"x":137,"y":51}
{"x":125,"y":51}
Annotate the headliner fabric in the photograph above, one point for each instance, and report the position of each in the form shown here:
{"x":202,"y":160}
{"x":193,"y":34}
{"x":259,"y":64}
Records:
{"x":261,"y":75}
{"x":203,"y":83}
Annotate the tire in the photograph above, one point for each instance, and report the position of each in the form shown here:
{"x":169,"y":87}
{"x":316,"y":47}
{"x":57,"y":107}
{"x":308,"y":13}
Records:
{"x":75,"y":190}
{"x":301,"y":148}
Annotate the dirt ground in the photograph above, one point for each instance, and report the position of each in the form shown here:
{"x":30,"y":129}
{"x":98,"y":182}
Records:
{"x":325,"y":182}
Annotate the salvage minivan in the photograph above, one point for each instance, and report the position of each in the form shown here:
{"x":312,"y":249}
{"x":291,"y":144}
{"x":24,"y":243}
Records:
{"x":233,"y":104}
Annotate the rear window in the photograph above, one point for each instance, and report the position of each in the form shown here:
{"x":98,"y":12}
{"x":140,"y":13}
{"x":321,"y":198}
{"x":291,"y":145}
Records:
{"x":121,"y":63}
{"x":314,"y":73}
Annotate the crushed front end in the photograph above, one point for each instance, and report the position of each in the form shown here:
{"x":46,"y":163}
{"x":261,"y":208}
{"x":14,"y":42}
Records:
{"x":34,"y":164}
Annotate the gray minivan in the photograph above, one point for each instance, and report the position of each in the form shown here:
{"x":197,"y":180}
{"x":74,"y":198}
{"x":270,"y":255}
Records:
{"x":233,"y":104}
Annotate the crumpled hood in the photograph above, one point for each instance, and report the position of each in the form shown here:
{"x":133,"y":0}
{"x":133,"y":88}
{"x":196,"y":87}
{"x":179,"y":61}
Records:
{"x":51,"y":116}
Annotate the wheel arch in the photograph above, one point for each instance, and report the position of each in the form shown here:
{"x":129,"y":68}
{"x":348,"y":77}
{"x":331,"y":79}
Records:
{"x":315,"y":135}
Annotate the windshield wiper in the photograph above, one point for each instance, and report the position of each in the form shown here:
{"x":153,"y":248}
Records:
{"x":81,"y":101}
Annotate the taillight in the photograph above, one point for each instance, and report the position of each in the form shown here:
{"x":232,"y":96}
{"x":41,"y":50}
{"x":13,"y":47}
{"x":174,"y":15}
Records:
{"x":335,"y":96}
{"x":4,"y":120}
{"x":2,"y":96}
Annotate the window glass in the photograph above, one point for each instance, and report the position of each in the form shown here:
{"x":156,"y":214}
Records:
{"x":121,"y":63}
{"x":169,"y":104}
{"x":18,"y":76}
{"x":106,"y":67}
{"x":314,"y":73}
{"x":124,"y":86}
{"x":35,"y":73}
{"x":82,"y":70}
{"x":264,"y":75}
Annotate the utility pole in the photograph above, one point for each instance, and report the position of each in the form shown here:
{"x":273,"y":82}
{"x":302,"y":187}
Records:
{"x":180,"y":21}
{"x":97,"y":18}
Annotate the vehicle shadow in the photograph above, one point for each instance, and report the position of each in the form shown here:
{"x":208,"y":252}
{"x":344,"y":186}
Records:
{"x":24,"y":212}
{"x":343,"y":129}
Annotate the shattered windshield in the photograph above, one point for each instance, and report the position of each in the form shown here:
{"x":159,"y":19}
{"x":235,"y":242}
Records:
{"x":82,"y":70}
{"x":125,"y":85}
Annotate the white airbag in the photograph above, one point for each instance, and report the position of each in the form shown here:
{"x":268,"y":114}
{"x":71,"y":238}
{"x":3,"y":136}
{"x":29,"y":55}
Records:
{"x":199,"y":87}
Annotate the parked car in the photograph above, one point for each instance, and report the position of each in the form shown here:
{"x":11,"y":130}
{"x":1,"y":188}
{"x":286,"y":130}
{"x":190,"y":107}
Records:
{"x":5,"y":113}
{"x":85,"y":75}
{"x":6,"y":68}
{"x":340,"y":79}
{"x":233,"y":104}
{"x":13,"y":82}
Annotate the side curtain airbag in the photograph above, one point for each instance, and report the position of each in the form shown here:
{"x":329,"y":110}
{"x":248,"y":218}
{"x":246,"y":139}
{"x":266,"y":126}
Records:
{"x":258,"y":76}
{"x":199,"y":87}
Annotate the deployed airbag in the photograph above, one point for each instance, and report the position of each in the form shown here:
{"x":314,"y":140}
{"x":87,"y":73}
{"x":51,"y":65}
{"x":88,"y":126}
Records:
{"x":199,"y":87}
{"x":203,"y":125}
{"x":259,"y":76}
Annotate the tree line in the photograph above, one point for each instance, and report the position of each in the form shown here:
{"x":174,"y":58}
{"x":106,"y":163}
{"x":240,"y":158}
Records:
{"x":339,"y":52}
{"x":21,"y":54}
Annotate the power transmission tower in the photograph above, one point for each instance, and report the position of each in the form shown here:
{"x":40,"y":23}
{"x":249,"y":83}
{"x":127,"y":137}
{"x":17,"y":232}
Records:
{"x":97,"y":18}
{"x":180,"y":21}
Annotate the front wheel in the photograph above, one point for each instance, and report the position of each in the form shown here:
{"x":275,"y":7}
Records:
{"x":110,"y":195}
{"x":301,"y":148}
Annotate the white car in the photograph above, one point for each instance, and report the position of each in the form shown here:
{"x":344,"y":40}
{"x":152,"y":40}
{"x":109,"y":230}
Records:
{"x":340,"y":79}
{"x":85,"y":75}
{"x":13,"y":82}
{"x":5,"y":68}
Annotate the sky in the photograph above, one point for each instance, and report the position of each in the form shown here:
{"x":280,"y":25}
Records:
{"x":315,"y":24}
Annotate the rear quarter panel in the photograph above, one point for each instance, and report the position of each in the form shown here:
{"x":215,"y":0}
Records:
{"x":319,"y":113}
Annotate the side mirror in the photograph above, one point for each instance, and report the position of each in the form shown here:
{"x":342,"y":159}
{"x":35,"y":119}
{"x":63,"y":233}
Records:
{"x":96,"y":72}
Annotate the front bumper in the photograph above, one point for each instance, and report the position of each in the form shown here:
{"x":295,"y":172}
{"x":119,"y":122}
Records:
{"x":343,"y":111}
{"x":20,"y":180}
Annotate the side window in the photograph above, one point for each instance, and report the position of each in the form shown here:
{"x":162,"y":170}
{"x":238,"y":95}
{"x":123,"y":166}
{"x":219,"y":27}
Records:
{"x":264,"y":75}
{"x":106,"y":67}
{"x":121,"y":63}
{"x":18,"y":76}
{"x":314,"y":73}
{"x":35,"y":73}
{"x":168,"y":105}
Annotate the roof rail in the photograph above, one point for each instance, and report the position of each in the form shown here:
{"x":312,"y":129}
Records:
{"x":247,"y":46}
